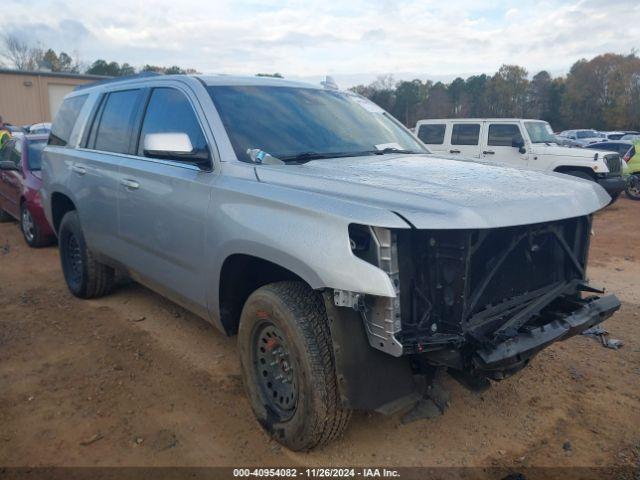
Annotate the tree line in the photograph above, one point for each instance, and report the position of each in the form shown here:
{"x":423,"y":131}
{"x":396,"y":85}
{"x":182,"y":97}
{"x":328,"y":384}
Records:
{"x":601,"y":93}
{"x":23,"y":55}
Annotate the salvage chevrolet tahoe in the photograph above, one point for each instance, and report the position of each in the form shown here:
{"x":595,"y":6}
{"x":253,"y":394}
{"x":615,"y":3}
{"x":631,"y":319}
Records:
{"x":349,"y":260}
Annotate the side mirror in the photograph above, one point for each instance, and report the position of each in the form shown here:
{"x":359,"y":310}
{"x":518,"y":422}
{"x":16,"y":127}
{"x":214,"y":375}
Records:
{"x":518,"y":142}
{"x":8,"y":165}
{"x":173,"y":146}
{"x":167,"y":145}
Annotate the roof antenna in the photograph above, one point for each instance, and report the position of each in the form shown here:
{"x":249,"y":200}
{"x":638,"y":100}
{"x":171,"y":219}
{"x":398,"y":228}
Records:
{"x":329,"y":83}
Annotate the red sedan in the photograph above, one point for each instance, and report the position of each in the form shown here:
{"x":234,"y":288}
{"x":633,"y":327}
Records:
{"x":20,"y":183}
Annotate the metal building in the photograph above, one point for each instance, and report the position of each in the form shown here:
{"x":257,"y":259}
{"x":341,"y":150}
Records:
{"x":31,"y":97}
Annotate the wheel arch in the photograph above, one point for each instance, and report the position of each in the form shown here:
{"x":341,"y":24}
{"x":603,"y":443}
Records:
{"x":60,"y":205}
{"x":240,"y":275}
{"x":569,"y":168}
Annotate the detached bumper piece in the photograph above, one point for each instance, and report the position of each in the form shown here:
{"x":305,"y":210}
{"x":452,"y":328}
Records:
{"x":511,"y":355}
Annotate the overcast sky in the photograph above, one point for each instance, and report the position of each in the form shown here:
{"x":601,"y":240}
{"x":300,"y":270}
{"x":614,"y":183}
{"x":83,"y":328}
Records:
{"x":352,"y":40}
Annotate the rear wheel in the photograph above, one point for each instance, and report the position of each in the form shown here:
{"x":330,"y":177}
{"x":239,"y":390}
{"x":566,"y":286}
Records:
{"x":85,"y":276}
{"x":632,"y":187}
{"x":30,"y":230}
{"x":288,"y":365}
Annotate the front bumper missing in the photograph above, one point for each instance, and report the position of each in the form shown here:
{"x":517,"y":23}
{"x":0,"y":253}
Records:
{"x":511,"y":355}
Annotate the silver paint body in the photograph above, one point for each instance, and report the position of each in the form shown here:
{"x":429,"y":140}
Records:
{"x":173,"y":226}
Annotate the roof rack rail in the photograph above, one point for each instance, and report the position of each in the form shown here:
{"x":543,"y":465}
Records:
{"x":117,"y":79}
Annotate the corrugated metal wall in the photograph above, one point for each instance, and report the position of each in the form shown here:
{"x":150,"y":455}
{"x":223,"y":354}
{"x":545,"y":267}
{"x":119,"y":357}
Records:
{"x":32,"y":98}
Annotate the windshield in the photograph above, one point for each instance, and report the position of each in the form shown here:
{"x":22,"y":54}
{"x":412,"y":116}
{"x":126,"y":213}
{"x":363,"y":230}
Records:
{"x":587,"y":134}
{"x":302,"y":124}
{"x":34,"y":157}
{"x":540,"y":132}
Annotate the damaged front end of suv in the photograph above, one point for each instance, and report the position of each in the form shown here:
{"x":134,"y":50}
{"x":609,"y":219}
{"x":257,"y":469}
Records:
{"x":481,"y":302}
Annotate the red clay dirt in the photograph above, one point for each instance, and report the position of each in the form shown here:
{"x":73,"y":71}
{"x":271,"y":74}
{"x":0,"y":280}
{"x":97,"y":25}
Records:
{"x":134,"y":380}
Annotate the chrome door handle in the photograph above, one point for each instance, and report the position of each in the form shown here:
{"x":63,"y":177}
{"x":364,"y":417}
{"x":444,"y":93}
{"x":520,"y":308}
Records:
{"x":78,"y":169}
{"x":454,"y":151}
{"x":130,"y":184}
{"x":488,"y":152}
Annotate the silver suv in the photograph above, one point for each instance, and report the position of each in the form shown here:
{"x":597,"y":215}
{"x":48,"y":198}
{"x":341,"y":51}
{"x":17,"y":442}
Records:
{"x":351,"y":262}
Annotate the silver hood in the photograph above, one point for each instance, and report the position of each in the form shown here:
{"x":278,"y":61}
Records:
{"x":438,"y":193}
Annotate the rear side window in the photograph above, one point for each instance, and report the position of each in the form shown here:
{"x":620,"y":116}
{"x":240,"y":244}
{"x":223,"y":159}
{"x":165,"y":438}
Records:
{"x":432,"y":134}
{"x":113,"y":133}
{"x":65,"y":120}
{"x":169,"y":111}
{"x":465,"y":134}
{"x":502,"y":135}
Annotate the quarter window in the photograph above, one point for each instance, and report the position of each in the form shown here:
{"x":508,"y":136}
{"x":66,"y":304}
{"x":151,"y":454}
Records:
{"x":169,"y":111}
{"x":116,"y":122}
{"x":465,"y":134}
{"x":432,"y":134}
{"x":503,"y":135}
{"x":65,"y":120}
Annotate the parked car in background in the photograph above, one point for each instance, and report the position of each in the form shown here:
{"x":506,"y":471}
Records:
{"x":617,"y":135}
{"x":39,"y":128}
{"x":20,"y":182}
{"x":349,"y":259}
{"x":630,"y":137}
{"x":619,"y":146}
{"x":581,"y":137}
{"x":632,"y":157}
{"x":519,"y":143}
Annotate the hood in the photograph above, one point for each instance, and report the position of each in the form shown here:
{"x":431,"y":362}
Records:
{"x":439,"y":193}
{"x":542,"y":149}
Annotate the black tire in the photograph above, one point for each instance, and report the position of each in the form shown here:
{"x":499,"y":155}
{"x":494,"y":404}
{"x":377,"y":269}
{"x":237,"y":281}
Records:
{"x":5,"y":217}
{"x":85,"y":276}
{"x":632,"y":187}
{"x":295,"y":317}
{"x":30,"y":230}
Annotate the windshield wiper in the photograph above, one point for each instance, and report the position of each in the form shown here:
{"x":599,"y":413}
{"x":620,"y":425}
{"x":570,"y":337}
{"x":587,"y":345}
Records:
{"x":384,"y":151}
{"x":308,"y":156}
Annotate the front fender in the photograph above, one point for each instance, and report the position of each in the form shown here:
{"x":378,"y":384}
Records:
{"x":312,"y":244}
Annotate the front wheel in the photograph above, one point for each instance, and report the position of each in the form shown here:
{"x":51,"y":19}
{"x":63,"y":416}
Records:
{"x":632,"y":187}
{"x":85,"y":276}
{"x":288,"y":366}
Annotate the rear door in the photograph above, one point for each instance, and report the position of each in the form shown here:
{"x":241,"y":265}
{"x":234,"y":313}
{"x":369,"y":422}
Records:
{"x":500,"y":144}
{"x":94,"y":177}
{"x":163,"y":202}
{"x":465,"y":139}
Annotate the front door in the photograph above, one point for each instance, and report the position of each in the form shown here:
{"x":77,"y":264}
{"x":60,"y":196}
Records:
{"x":501,"y":145}
{"x":163,"y":203}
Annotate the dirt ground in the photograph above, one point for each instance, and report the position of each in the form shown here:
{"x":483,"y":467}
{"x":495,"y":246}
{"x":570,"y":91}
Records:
{"x":134,"y":380}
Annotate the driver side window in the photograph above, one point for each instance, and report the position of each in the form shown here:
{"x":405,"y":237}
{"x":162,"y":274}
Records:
{"x":503,"y":134}
{"x":169,"y":111}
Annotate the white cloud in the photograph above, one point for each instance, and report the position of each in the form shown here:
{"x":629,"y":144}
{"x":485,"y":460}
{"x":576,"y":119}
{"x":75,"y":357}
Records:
{"x":347,"y":39}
